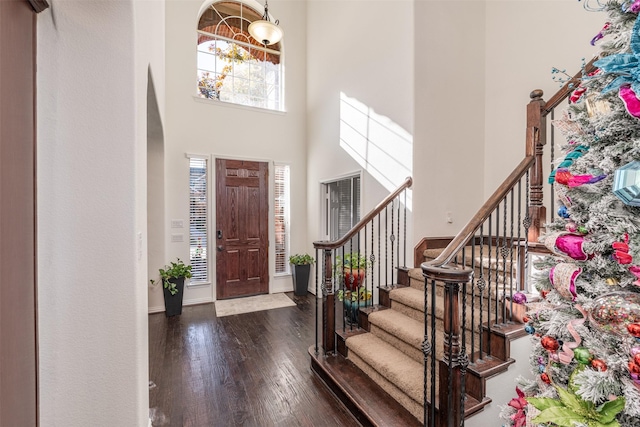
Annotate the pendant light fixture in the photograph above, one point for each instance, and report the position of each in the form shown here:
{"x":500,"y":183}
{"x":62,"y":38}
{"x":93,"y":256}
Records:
{"x":265,"y":31}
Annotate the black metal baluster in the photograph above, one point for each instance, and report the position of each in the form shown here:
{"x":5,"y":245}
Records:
{"x":497,"y":266}
{"x":489,"y":284}
{"x":392,"y":239}
{"x":473,"y":297}
{"x":372,"y":258}
{"x":315,"y":348}
{"x":504,"y":255}
{"x":527,"y":223}
{"x":364,"y":277}
{"x":481,"y":283}
{"x":426,"y":351}
{"x":386,"y":245}
{"x":552,"y":155}
{"x":405,"y":228}
{"x":511,"y":250}
{"x":379,"y":251}
{"x":398,"y":239}
{"x":522,"y":275}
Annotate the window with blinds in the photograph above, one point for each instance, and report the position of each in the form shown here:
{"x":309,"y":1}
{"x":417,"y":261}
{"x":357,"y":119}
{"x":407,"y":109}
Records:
{"x":198,"y":224}
{"x":282,"y":218}
{"x":343,"y":206}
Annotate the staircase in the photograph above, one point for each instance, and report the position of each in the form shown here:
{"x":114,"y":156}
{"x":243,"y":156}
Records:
{"x":423,"y":348}
{"x":386,"y":348}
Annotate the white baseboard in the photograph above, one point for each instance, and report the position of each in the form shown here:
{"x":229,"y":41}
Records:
{"x":198,"y":301}
{"x":277,"y":288}
{"x":160,"y":309}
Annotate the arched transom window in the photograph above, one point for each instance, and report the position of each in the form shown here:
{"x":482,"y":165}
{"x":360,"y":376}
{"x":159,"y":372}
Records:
{"x":232,"y":65}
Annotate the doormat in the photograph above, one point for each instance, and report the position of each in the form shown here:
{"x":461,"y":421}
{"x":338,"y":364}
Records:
{"x":229,"y":307}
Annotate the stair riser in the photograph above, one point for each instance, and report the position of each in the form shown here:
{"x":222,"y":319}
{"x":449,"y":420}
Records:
{"x":418,"y":314}
{"x":412,"y":405}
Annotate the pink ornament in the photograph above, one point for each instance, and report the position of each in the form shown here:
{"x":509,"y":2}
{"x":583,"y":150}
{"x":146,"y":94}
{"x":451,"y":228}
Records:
{"x":635,"y":7}
{"x":631,"y":101}
{"x":566,"y":244}
{"x":571,"y":227}
{"x":519,"y":298}
{"x":563,"y":278}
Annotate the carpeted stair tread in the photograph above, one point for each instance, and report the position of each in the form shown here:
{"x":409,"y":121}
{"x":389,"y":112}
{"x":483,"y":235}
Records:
{"x":397,"y":324}
{"x":396,"y":367}
{"x":401,"y":331}
{"x":409,"y":296}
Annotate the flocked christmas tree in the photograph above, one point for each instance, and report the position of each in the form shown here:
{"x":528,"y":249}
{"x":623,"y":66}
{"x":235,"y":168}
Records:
{"x":586,"y":328}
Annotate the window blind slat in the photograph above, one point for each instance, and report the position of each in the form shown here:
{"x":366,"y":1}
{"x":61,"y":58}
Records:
{"x":281,"y":195}
{"x":198,"y":224}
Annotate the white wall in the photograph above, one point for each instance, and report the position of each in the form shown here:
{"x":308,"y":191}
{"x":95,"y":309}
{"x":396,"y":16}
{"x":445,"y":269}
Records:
{"x":217,"y":129}
{"x":476,"y":63}
{"x":364,"y":51}
{"x":501,"y":388}
{"x":92,"y":292}
{"x":449,"y":114}
{"x":524,"y":40}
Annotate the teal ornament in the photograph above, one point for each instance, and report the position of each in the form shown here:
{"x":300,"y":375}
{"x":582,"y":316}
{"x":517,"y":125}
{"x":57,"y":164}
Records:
{"x":576,"y":153}
{"x":625,"y":66}
{"x":530,"y":329}
{"x":626,"y":183}
{"x":541,"y":368}
{"x":582,"y":355}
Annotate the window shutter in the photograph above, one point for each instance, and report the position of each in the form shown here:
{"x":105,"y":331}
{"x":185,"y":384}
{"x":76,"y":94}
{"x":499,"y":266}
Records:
{"x":198,"y":224}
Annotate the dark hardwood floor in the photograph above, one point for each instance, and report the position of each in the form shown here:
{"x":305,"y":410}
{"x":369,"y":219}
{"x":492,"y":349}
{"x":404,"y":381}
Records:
{"x":245,"y":370}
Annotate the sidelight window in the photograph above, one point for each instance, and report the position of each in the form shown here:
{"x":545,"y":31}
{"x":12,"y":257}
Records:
{"x":198,"y":220}
{"x":282,"y":218}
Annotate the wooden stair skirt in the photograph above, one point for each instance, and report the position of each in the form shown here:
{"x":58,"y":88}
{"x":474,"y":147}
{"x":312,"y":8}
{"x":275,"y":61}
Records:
{"x":379,"y":369}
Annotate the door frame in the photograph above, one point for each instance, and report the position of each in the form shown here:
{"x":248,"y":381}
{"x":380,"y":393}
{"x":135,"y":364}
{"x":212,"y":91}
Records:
{"x":271,"y":228}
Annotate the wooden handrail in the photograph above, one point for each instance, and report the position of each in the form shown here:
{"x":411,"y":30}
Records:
{"x":489,"y":206}
{"x":568,"y":88}
{"x":323,"y":244}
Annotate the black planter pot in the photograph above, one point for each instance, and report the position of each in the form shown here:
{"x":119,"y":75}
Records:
{"x":173,"y":303}
{"x":301,"y":279}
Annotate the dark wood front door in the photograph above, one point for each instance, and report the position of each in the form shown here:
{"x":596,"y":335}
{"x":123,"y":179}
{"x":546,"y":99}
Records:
{"x":241,"y":228}
{"x":18,"y":337}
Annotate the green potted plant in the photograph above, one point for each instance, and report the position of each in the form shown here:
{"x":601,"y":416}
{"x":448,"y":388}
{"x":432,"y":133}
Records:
{"x":172,"y":277}
{"x":301,"y":270}
{"x":353,"y":300}
{"x":351,"y":267}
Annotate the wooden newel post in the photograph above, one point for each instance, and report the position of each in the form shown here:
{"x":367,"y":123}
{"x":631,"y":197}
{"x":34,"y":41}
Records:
{"x":328,"y":307}
{"x":453,"y":367}
{"x":536,"y":140}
